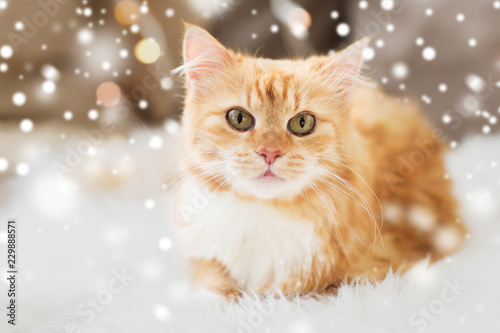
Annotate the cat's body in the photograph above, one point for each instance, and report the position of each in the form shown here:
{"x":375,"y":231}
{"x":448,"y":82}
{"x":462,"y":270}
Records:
{"x":266,"y":205}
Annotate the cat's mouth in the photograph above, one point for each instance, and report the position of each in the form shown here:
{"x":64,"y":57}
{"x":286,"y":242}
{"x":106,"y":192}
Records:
{"x":269,"y":175}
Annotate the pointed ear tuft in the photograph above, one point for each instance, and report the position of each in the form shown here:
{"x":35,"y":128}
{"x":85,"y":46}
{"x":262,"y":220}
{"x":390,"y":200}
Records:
{"x":203,"y":55}
{"x":351,"y":58}
{"x":343,"y":68}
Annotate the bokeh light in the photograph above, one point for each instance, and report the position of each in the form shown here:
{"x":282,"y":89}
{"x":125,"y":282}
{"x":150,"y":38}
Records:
{"x":299,"y":21}
{"x":143,"y":104}
{"x":22,"y":169}
{"x":155,"y":142}
{"x":68,"y":115}
{"x":343,"y":29}
{"x":149,"y":204}
{"x":6,"y":51}
{"x":4,"y":164}
{"x":429,"y":53}
{"x":48,"y":87}
{"x":85,"y":36}
{"x":19,"y":98}
{"x":127,"y":12}
{"x":161,"y":312}
{"x":26,"y":125}
{"x":108,"y":93}
{"x":147,"y":51}
{"x":93,"y":114}
{"x":165,"y":244}
{"x":49,"y":72}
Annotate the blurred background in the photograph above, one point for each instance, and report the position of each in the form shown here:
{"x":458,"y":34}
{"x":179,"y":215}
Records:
{"x":89,"y":129}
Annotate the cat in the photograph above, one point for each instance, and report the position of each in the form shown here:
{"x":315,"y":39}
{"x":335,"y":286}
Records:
{"x":299,"y":177}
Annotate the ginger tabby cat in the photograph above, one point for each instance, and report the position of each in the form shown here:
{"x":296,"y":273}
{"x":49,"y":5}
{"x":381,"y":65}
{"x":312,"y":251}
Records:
{"x":298,"y":176}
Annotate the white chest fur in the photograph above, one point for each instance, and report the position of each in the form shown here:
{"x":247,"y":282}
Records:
{"x":254,"y":241}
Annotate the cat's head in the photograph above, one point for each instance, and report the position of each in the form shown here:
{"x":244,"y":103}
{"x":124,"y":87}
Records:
{"x":265,"y":128}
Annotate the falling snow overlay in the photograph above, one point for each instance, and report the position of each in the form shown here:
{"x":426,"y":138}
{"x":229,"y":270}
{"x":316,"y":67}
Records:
{"x":90,"y":131}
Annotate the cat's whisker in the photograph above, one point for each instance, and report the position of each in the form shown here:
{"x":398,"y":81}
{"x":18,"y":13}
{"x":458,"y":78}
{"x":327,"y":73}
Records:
{"x":204,"y":148}
{"x":212,"y":174}
{"x":347,"y":195}
{"x":344,"y":182}
{"x":204,"y":169}
{"x":355,"y":189}
{"x":180,"y":174}
{"x":365,"y":206}
{"x":348,"y":225}
{"x":319,"y":192}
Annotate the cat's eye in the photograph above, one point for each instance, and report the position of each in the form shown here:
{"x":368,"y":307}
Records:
{"x":240,"y":120}
{"x":302,"y":124}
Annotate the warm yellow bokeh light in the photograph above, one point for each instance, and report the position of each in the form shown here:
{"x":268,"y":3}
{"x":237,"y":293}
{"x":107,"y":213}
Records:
{"x":127,"y":12}
{"x":147,"y":51}
{"x":108,"y":93}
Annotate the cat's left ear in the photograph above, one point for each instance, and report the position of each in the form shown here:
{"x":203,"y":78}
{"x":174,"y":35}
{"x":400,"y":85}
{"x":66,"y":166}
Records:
{"x":203,"y":55}
{"x":344,"y":67}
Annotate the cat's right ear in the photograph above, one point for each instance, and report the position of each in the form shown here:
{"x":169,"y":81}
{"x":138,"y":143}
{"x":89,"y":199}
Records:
{"x":203,"y":56}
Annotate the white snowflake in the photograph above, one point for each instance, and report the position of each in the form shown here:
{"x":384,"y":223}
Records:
{"x":429,"y":53}
{"x":87,"y":12}
{"x":19,"y":25}
{"x":169,"y":12}
{"x":161,"y":312}
{"x":343,"y":29}
{"x":19,"y":98}
{"x":4,"y":164}
{"x":123,"y":53}
{"x":22,"y":169}
{"x":106,"y":65}
{"x":149,"y":204}
{"x":155,"y":142}
{"x":143,"y":104}
{"x":6,"y":51}
{"x":48,"y":87}
{"x":387,"y":5}
{"x":400,"y":70}
{"x":68,"y":115}
{"x":368,"y":53}
{"x":93,"y":114}
{"x":85,"y":36}
{"x":165,"y":244}
{"x":26,"y":125}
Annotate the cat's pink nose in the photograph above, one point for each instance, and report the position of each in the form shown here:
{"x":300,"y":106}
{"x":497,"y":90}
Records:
{"x":270,"y":155}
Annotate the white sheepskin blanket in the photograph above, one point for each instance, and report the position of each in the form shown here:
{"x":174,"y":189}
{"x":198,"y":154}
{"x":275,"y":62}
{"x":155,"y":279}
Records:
{"x":75,"y":240}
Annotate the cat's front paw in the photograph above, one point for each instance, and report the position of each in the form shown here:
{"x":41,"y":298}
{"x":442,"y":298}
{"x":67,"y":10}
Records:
{"x":206,"y":297}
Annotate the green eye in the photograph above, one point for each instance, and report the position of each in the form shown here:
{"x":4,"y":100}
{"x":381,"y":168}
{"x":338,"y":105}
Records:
{"x":302,"y":124}
{"x":239,"y":119}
